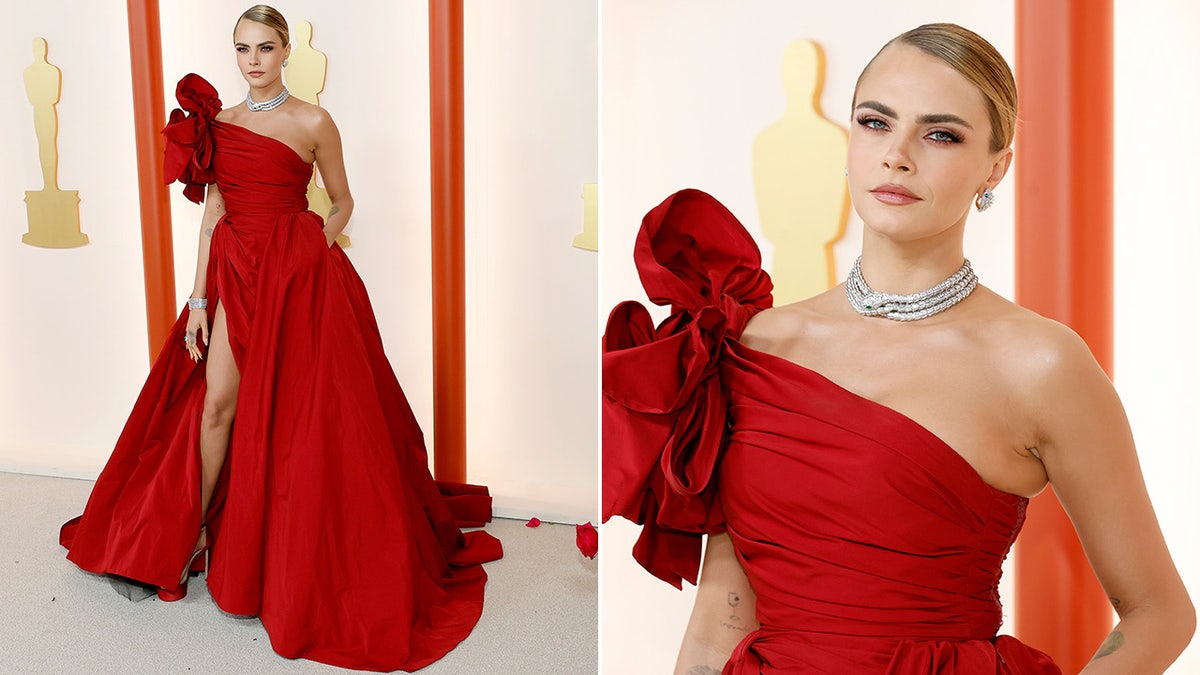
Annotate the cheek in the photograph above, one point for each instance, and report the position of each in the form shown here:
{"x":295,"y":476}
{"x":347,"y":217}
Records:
{"x":859,"y":150}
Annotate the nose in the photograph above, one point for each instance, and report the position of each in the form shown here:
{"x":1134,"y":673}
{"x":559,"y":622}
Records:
{"x":897,"y":157}
{"x":253,"y":57}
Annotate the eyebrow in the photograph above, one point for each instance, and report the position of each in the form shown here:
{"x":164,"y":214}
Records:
{"x":261,"y":44}
{"x":931,"y":118}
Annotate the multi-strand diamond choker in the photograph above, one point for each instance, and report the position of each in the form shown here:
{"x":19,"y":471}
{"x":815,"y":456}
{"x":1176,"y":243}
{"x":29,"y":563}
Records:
{"x":911,"y":307}
{"x":269,"y":104}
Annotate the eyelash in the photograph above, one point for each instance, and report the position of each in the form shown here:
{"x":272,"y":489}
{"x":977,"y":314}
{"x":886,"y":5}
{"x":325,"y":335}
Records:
{"x":868,"y":122}
{"x":246,"y":49}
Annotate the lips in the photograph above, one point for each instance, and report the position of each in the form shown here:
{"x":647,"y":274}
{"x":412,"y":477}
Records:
{"x":255,"y":73}
{"x":891,"y":193}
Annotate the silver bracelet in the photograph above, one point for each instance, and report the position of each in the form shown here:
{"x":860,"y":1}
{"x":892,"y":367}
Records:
{"x":197,"y":303}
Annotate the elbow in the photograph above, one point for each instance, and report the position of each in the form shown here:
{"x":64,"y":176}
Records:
{"x":1187,"y":621}
{"x":1181,"y":625}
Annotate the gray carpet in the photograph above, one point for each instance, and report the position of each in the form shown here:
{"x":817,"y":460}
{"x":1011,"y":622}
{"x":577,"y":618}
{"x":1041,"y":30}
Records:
{"x":539,"y":614}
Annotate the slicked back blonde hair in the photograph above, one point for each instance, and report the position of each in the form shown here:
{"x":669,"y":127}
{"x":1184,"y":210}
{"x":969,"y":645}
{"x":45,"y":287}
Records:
{"x":976,"y":60}
{"x":269,"y":17}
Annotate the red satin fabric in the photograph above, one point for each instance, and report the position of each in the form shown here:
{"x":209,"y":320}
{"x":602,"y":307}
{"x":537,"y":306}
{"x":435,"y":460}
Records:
{"x":873,"y":547}
{"x":326,"y":522}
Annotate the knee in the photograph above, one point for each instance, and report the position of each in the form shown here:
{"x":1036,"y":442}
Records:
{"x":218,"y":410}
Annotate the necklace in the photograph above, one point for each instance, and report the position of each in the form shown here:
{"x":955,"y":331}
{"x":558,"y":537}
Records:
{"x":267,"y":105}
{"x":915,"y":306}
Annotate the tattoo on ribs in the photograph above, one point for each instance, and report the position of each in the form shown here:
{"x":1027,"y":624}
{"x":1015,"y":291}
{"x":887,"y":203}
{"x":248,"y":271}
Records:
{"x":703,"y":670}
{"x":1116,"y":602}
{"x":1111,"y":644}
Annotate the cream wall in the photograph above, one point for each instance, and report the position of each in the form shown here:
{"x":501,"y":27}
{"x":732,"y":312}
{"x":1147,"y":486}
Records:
{"x":687,"y":84}
{"x":531,"y":145}
{"x":1157,"y":243}
{"x":73,"y":345}
{"x":73,"y":337}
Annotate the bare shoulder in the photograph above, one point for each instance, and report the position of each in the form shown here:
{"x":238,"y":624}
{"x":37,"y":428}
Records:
{"x":312,"y":117}
{"x":228,"y":114}
{"x":774,"y":330}
{"x":1034,"y":351}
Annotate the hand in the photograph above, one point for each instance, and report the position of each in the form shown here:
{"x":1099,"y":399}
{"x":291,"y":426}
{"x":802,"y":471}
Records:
{"x":197,"y":326}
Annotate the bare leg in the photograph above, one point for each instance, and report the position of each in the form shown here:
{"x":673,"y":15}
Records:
{"x":220,"y":401}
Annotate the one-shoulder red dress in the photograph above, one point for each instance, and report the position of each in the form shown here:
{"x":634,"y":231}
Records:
{"x":326,"y":523}
{"x":872,"y":546}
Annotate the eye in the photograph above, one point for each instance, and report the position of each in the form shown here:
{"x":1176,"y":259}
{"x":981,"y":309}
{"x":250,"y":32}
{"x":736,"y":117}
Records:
{"x":241,"y":49}
{"x":943,"y":136}
{"x":267,"y":49}
{"x":874,"y":123}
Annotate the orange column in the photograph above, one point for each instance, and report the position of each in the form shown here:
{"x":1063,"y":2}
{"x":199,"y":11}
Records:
{"x":149,"y":116}
{"x":449,"y":217}
{"x":1064,"y":212}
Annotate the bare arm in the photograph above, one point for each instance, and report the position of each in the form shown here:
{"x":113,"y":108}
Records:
{"x":328,"y":153}
{"x":1087,"y":448}
{"x":724,"y":612}
{"x":214,"y":208}
{"x":197,"y":322}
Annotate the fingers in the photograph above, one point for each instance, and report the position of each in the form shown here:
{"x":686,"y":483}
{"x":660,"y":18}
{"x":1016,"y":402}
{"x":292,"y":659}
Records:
{"x":197,"y":328}
{"x":193,"y":349}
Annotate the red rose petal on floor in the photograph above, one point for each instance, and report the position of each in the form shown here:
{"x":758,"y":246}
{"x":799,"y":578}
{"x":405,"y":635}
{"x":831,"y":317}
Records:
{"x":533,"y":522}
{"x":587,"y":539}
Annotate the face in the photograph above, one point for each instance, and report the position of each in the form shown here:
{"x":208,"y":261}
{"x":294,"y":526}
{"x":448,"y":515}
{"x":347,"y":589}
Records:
{"x":260,"y":53}
{"x":920,"y":146}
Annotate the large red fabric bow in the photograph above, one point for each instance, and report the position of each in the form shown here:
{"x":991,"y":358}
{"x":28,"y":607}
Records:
{"x":189,"y":146}
{"x":663,"y":408}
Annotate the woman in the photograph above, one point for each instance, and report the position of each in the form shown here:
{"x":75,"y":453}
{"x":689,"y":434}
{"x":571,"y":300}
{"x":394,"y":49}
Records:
{"x":861,"y":460}
{"x":271,"y":433}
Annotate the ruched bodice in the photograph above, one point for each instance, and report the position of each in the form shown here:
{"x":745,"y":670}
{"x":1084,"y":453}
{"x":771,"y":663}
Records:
{"x":872,"y":546}
{"x":894,"y":532}
{"x":890,"y":533}
{"x":277,"y":183}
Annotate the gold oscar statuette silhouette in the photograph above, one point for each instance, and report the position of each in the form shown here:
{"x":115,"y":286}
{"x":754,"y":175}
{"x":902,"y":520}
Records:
{"x":587,"y":240}
{"x":53,"y":213}
{"x":305,"y":73}
{"x":803,"y":202}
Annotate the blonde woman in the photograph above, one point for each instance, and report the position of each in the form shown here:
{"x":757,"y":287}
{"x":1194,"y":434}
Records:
{"x":861,"y":460}
{"x":272,"y":433}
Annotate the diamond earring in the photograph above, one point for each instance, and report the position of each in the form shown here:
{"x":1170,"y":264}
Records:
{"x":984,"y":201}
{"x":846,"y":170}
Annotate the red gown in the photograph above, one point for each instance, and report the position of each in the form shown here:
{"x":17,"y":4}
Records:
{"x":873,"y":547}
{"x":326,"y":523}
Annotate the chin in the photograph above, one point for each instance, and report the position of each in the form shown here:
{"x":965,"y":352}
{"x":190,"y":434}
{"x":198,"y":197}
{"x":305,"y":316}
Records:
{"x":899,"y":227}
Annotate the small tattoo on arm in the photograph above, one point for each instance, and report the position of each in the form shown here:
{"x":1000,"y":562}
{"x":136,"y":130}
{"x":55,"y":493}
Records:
{"x":208,"y":232}
{"x":1111,"y":644}
{"x":735,"y":621}
{"x":703,"y":670}
{"x":333,"y":211}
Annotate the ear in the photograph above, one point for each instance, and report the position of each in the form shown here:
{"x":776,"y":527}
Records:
{"x":1000,"y":163}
